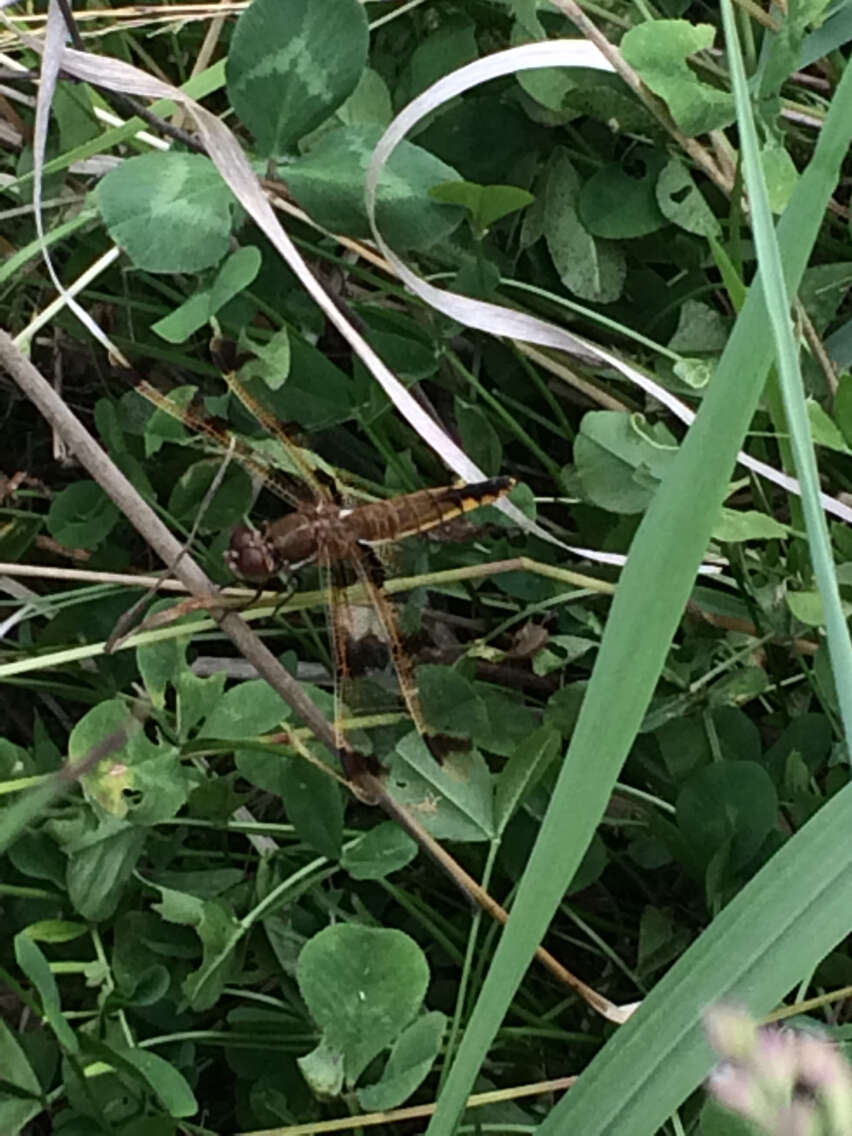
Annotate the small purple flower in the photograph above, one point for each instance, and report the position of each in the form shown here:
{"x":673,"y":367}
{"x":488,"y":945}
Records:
{"x":787,"y":1082}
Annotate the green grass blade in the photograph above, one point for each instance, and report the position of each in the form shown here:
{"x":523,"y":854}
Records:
{"x":794,"y":910}
{"x":647,"y":607}
{"x":792,"y":389}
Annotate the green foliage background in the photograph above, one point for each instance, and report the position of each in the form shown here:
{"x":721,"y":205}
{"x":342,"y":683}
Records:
{"x":203,"y":931}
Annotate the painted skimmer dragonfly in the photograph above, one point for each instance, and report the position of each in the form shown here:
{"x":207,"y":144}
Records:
{"x":341,"y":541}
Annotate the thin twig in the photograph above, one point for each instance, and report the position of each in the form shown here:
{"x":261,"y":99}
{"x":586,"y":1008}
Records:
{"x":413,"y":1112}
{"x":817,"y":346}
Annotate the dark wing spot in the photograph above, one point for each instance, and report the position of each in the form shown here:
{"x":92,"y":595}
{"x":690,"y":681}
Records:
{"x":442,"y":745}
{"x":373,"y":563}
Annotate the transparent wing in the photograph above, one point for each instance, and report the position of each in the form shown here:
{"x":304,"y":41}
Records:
{"x":347,"y":670}
{"x":350,"y":652}
{"x":259,"y":466}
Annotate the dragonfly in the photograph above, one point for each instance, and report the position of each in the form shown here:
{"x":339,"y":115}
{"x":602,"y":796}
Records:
{"x":343,"y":542}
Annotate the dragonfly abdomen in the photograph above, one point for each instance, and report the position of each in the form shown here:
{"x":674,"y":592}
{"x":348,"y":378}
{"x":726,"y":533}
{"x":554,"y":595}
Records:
{"x":422,"y":510}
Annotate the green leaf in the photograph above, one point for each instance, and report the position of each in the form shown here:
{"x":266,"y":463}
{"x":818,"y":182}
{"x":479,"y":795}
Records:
{"x":457,"y":795}
{"x":236,"y":273}
{"x":162,"y":427}
{"x":271,"y":361}
{"x":15,"y":1111}
{"x":184,"y":321}
{"x":522,"y":771}
{"x":486,"y":138}
{"x":411,"y":1058}
{"x":111,"y":427}
{"x":658,"y":49}
{"x":616,"y":205}
{"x":369,"y":102}
{"x":167,"y":1083}
{"x":734,"y":526}
{"x":161,"y":664}
{"x":382,"y":850}
{"x":219,"y":931}
{"x":591,"y":269}
{"x":548,"y":86}
{"x":486,"y":204}
{"x":728,"y":801}
{"x":451,"y":45}
{"x":694,"y":373}
{"x":618,"y":462}
{"x":317,"y":394}
{"x":561,"y":650}
{"x":55,"y":931}
{"x":362,"y":986}
{"x":140,"y":771}
{"x":196,"y":698}
{"x":322,"y":1068}
{"x":82,"y":515}
{"x":246,"y":710}
{"x":739,"y":686}
{"x":35,"y":966}
{"x":780,"y":173}
{"x":807,"y":607}
{"x":228,"y":505}
{"x":74,"y":112}
{"x":682,"y":202}
{"x":14,"y":759}
{"x":450,"y":701}
{"x":591,"y":867}
{"x":100,"y":866}
{"x":700,"y":327}
{"x":783,"y":49}
{"x":480,"y":440}
{"x":179,"y":906}
{"x":823,"y":431}
{"x":169,"y":212}
{"x":16,"y":1069}
{"x":288,"y":71}
{"x":329,"y":184}
{"x":661,"y":939}
{"x":843,"y":407}
{"x":311,"y":798}
{"x":507,"y":721}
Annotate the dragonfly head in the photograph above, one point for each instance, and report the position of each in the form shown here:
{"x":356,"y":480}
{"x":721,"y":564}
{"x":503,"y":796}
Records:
{"x":250,"y":557}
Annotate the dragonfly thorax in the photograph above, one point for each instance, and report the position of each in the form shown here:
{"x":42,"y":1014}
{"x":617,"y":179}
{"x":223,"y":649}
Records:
{"x":287,"y":544}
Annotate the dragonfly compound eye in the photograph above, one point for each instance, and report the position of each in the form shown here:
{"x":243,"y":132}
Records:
{"x":248,"y":556}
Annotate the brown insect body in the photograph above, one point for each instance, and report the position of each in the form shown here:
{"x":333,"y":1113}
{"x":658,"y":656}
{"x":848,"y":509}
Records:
{"x":329,"y":531}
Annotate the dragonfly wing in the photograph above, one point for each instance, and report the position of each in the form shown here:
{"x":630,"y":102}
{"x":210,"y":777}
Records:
{"x":257,"y":464}
{"x":296,"y":457}
{"x":371,"y":577}
{"x":344,"y":641}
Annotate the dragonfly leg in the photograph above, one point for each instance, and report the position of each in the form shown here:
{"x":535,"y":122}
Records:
{"x":288,"y":580}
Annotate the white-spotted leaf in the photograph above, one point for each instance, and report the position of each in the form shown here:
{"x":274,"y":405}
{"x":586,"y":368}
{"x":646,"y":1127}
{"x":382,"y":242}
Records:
{"x":329,"y":184}
{"x":169,"y":212}
{"x":287,"y":73}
